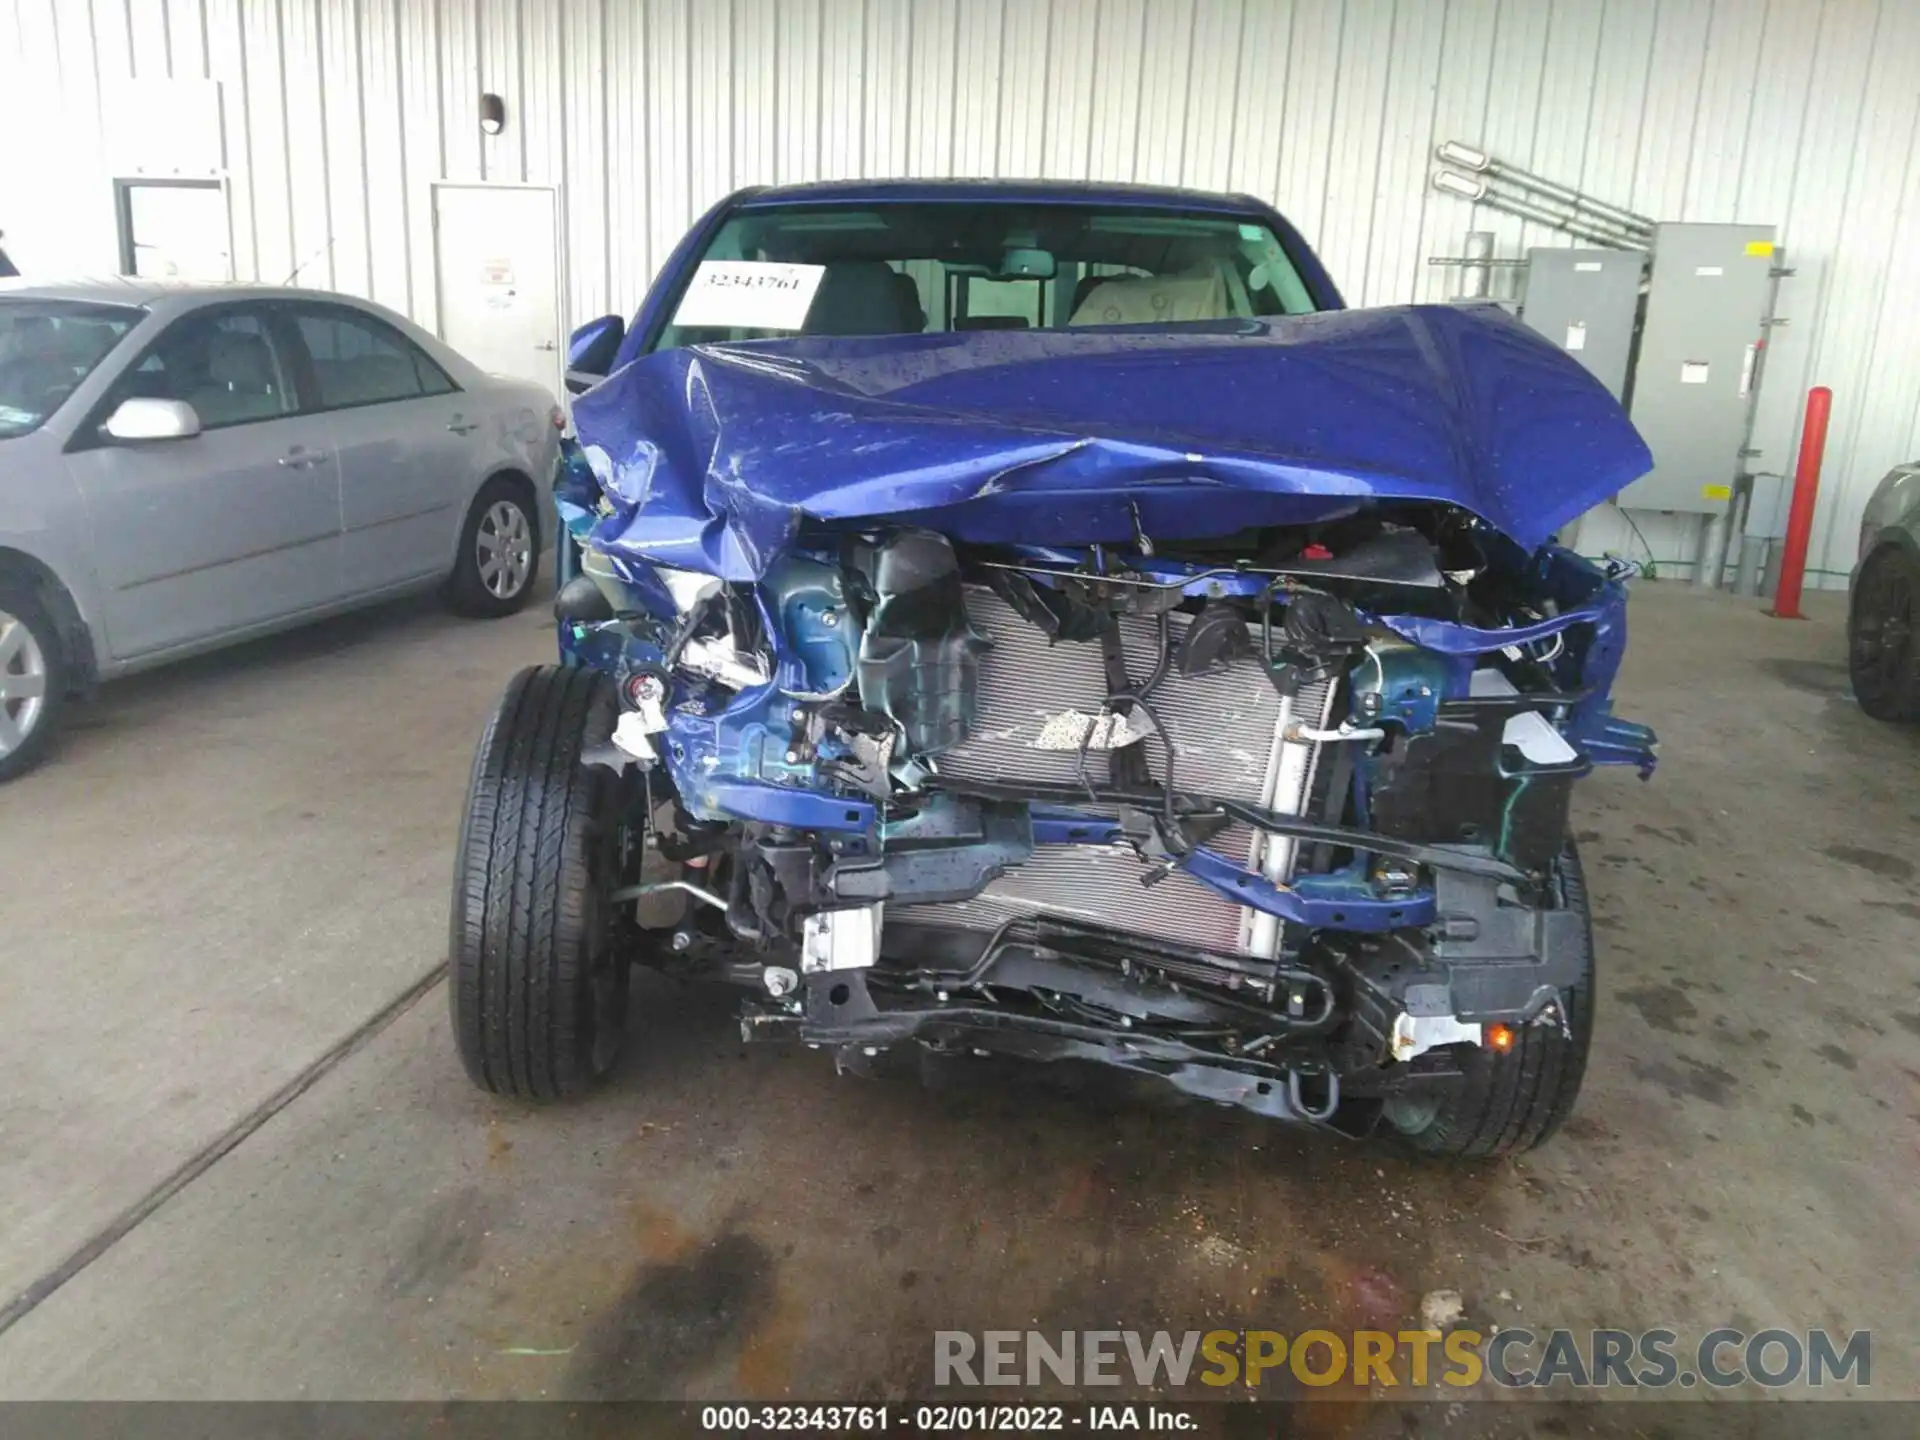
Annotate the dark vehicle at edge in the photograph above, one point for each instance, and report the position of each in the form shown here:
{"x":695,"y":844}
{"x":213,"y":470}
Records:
{"x":1883,"y":609}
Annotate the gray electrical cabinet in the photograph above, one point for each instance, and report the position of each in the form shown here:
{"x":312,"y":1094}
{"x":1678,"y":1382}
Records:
{"x":1586,"y":302}
{"x":1709,"y":292}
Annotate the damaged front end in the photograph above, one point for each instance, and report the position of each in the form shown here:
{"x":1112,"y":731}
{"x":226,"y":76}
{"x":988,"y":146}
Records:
{"x":1279,"y":816}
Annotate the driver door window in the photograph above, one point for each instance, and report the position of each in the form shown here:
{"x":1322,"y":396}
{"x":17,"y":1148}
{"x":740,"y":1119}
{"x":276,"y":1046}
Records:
{"x":225,"y":365}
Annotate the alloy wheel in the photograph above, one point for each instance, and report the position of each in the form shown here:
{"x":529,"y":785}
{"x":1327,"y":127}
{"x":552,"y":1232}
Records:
{"x":23,"y":683}
{"x":504,"y":549}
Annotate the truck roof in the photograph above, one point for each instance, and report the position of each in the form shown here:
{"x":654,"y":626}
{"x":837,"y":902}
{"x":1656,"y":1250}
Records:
{"x":984,"y":191}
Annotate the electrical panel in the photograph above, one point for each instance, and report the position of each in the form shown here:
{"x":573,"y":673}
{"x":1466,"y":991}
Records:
{"x":1709,"y":293}
{"x":1586,"y":302}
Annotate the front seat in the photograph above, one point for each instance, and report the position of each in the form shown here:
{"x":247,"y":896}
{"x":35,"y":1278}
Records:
{"x":1084,"y":287}
{"x":241,"y":383}
{"x":862,"y":297}
{"x":1199,"y":294}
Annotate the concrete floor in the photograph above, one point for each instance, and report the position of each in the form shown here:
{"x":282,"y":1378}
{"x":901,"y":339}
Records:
{"x":232,"y":866}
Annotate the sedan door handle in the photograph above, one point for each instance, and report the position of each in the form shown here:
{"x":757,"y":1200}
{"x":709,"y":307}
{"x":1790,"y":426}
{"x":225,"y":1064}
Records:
{"x":547,"y":346}
{"x":460,"y":425}
{"x":300,"y":458}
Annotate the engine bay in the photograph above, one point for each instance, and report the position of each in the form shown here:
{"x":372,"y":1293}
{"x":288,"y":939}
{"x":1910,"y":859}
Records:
{"x":1278,"y":816}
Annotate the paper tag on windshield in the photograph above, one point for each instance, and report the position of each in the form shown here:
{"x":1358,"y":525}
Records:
{"x":749,"y":294}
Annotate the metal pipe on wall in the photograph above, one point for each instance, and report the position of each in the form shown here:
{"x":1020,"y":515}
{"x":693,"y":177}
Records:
{"x":1465,"y":157}
{"x":1476,"y":279}
{"x":1752,"y":565}
{"x":1469,"y":187}
{"x":1716,"y":533}
{"x":1569,"y":216}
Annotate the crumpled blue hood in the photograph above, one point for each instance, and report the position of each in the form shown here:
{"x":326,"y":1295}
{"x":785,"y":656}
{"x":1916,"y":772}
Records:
{"x":715,"y":457}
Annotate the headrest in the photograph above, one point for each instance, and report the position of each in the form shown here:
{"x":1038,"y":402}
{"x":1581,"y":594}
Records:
{"x":861,"y":297}
{"x":240,"y":362}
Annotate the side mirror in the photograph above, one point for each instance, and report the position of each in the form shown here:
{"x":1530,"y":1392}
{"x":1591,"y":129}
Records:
{"x":146,"y":419}
{"x":590,"y":351}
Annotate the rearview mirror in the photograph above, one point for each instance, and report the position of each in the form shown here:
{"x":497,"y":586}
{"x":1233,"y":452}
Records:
{"x":1025,"y":262}
{"x":590,"y":351}
{"x":146,"y":419}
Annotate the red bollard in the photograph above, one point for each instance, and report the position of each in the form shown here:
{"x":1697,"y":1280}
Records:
{"x":1806,"y":489}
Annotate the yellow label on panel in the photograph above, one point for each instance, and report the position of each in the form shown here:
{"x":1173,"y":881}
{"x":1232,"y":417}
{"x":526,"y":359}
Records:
{"x":1716,"y":492}
{"x":1760,"y":247}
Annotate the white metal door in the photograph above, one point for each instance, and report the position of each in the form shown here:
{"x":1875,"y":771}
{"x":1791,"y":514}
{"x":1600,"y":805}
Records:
{"x":499,"y":265}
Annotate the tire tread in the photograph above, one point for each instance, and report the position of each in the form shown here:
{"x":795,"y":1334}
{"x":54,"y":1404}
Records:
{"x":1899,"y":702}
{"x":522,"y":942}
{"x":1513,"y":1102}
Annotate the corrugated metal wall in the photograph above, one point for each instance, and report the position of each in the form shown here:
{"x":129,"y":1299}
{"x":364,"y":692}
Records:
{"x":338,"y":114}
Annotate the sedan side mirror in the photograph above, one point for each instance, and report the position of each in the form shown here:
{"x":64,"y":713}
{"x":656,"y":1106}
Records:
{"x":142,"y":418}
{"x":590,"y":351}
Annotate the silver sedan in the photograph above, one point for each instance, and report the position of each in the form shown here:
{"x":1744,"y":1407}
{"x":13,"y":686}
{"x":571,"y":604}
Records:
{"x":182,"y":468}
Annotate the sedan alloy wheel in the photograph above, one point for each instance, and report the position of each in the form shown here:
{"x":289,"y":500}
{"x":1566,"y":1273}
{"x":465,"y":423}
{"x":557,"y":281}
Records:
{"x":23,"y":683}
{"x":504,"y":549}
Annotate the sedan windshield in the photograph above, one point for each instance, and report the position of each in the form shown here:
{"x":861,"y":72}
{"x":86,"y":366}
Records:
{"x":47,"y":347}
{"x":901,"y":269}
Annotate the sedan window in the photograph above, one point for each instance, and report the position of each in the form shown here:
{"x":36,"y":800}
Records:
{"x":47,"y":347}
{"x":223,"y":363}
{"x":359,"y":361}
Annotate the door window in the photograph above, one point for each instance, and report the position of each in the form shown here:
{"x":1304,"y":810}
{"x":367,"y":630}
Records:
{"x":223,"y":363}
{"x":359,"y":361}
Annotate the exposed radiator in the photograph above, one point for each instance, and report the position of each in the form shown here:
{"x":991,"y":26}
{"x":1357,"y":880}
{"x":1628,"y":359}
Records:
{"x":1223,"y":727}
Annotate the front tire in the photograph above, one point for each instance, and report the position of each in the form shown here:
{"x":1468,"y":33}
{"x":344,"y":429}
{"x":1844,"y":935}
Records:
{"x":33,"y":677}
{"x":537,"y":984}
{"x":1505,"y":1103}
{"x":1883,"y":651}
{"x":499,"y":556}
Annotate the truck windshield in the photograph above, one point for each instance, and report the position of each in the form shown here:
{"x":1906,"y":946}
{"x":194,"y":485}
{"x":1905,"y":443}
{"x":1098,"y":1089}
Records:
{"x":47,"y":347}
{"x":904,"y":269}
